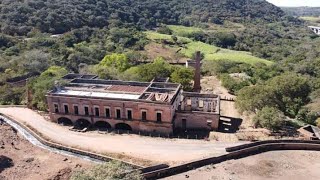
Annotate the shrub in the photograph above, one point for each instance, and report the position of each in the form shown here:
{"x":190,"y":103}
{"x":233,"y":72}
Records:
{"x":109,"y":171}
{"x":270,"y":118}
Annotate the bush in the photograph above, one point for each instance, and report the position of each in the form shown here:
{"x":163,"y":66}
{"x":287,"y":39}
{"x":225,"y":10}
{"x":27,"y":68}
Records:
{"x":307,"y":116}
{"x":109,"y":171}
{"x":164,"y":30}
{"x":270,"y":118}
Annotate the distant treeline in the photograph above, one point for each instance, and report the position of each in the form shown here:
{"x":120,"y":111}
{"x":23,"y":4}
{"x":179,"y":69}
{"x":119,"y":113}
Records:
{"x":302,"y":11}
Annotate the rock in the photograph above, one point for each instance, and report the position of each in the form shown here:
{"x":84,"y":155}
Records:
{"x":77,"y":166}
{"x":65,"y":159}
{"x":29,"y":160}
{"x":187,"y":176}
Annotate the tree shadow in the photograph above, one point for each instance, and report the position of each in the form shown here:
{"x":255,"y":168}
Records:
{"x":229,"y":124}
{"x":5,"y":162}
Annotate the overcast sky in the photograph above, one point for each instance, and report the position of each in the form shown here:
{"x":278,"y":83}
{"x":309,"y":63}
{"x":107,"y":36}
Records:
{"x":294,"y":3}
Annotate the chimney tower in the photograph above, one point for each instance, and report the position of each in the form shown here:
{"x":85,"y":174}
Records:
{"x":197,"y":73}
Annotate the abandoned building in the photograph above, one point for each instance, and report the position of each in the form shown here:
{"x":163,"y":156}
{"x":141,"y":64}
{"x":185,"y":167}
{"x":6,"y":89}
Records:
{"x":156,"y":107}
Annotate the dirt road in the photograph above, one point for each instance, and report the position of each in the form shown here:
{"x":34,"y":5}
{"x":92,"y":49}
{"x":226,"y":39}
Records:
{"x":157,"y":150}
{"x":280,"y":165}
{"x":20,"y":160}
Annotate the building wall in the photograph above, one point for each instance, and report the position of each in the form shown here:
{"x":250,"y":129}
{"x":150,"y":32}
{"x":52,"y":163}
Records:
{"x":197,"y":120}
{"x":209,"y":104}
{"x":150,"y":125}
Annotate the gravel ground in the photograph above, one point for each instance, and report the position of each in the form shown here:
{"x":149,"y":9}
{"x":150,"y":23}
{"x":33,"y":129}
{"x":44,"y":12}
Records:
{"x":280,"y":165}
{"x":132,"y":148}
{"x":20,"y":160}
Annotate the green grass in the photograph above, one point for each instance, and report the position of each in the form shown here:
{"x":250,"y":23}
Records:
{"x":157,"y":36}
{"x":211,"y":52}
{"x":311,"y":19}
{"x":183,"y":30}
{"x":314,"y":21}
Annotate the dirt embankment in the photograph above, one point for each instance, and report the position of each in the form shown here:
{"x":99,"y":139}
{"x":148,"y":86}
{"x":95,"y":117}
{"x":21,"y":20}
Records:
{"x":20,"y":160}
{"x":280,"y":165}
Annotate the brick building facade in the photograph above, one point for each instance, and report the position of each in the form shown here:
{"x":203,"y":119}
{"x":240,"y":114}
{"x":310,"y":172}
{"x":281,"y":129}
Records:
{"x":155,"y":107}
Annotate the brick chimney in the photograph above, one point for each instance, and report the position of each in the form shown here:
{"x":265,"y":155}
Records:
{"x":197,"y":73}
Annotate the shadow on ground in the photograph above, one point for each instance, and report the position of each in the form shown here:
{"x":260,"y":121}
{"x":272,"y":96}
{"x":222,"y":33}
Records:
{"x":5,"y":162}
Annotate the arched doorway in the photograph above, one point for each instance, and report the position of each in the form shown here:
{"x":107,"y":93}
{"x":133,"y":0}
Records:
{"x":82,"y":123}
{"x":65,"y":121}
{"x":123,"y":126}
{"x":102,"y":125}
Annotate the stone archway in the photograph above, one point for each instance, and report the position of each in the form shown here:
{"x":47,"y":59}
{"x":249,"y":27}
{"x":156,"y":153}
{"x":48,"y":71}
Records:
{"x":102,"y":125}
{"x":82,"y":123}
{"x":65,"y":121}
{"x":123,"y":126}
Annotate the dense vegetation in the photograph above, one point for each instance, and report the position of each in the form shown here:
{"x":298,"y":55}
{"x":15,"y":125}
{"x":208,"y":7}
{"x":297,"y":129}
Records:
{"x":302,"y":11}
{"x":60,"y":16}
{"x":261,"y":54}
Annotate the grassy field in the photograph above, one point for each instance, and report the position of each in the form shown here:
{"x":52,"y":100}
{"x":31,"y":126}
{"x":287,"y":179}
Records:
{"x":312,"y":20}
{"x":211,"y":52}
{"x":226,"y":27}
{"x":183,"y":30}
{"x":157,"y":36}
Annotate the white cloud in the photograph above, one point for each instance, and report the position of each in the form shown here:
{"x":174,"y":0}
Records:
{"x":314,"y":3}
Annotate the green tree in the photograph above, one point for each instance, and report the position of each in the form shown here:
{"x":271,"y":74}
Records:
{"x":287,"y":92}
{"x":45,"y":82}
{"x":113,"y":170}
{"x":118,"y":61}
{"x":270,"y":118}
{"x":183,"y":76}
{"x":159,"y":68}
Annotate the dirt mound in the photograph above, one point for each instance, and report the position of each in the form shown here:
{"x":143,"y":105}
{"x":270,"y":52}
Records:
{"x":20,"y":159}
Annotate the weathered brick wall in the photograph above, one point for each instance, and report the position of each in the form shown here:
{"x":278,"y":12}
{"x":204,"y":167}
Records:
{"x":197,"y":120}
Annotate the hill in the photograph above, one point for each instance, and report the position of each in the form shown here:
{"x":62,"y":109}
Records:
{"x":59,"y":16}
{"x":302,"y":11}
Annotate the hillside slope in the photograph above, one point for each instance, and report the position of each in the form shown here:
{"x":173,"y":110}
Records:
{"x":59,"y":16}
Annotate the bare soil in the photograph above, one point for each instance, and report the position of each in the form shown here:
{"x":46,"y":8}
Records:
{"x":133,"y":148}
{"x":20,"y":160}
{"x":280,"y":165}
{"x":154,"y":50}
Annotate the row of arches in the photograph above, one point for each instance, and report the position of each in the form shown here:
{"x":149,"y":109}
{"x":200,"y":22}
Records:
{"x":83,"y":123}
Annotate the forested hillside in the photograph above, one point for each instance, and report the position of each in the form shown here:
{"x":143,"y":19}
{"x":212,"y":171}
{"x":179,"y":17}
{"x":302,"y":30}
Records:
{"x":111,"y":38}
{"x":59,"y":16}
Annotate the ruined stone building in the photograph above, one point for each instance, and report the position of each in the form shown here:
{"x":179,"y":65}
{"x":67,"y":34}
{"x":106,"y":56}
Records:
{"x":157,"y":106}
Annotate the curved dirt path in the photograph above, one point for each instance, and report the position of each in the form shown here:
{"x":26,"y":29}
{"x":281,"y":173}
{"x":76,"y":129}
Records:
{"x":157,"y":150}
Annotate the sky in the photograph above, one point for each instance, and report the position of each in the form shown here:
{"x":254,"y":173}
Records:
{"x":295,"y":3}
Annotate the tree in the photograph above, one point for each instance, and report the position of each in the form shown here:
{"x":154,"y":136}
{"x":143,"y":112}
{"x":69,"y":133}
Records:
{"x":159,"y":68}
{"x":254,"y":98}
{"x":118,"y":61}
{"x":183,"y":76}
{"x":287,"y":92}
{"x":164,"y":30}
{"x":41,"y":85}
{"x":112,"y":170}
{"x":270,"y":118}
